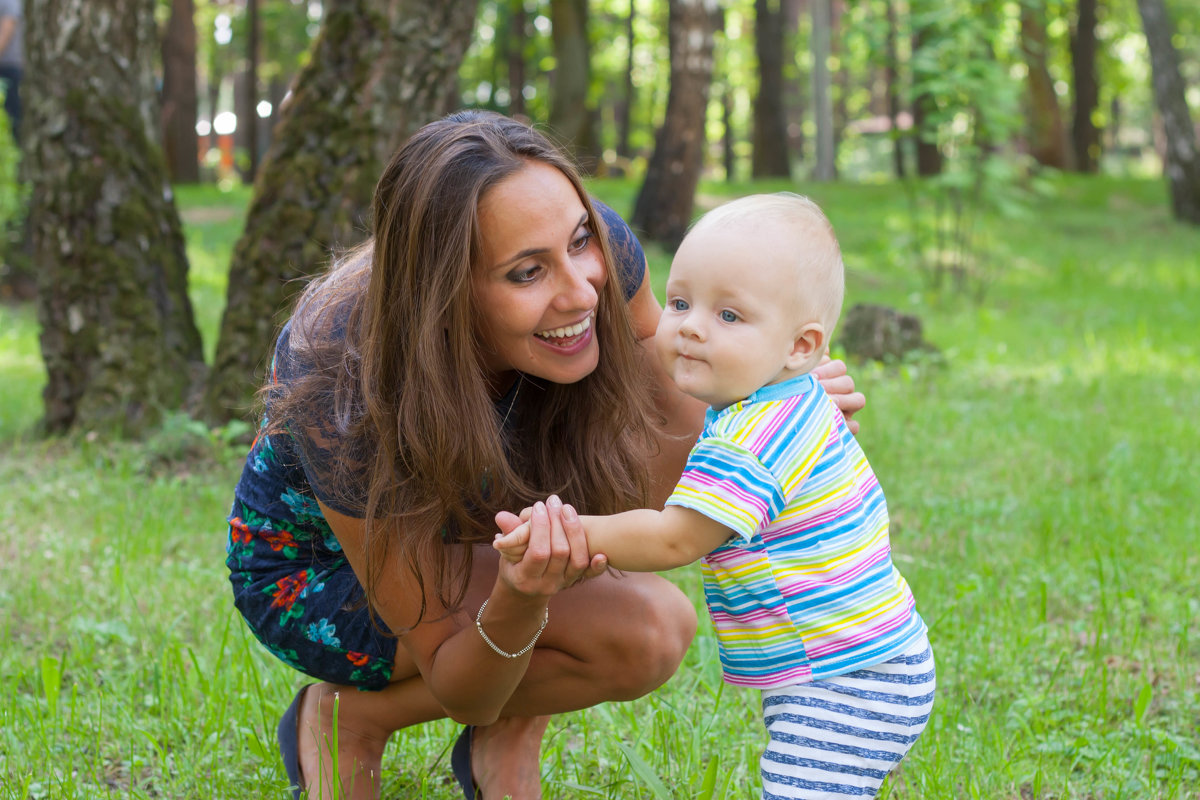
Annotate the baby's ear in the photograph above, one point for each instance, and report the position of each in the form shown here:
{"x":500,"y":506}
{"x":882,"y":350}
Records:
{"x":808,"y":346}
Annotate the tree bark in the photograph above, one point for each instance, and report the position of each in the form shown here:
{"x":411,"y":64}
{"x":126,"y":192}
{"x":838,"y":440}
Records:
{"x":1047,"y":135}
{"x":1182,"y":163}
{"x":892,"y":78}
{"x":728,"y":157}
{"x":247,"y":111}
{"x":664,"y":204}
{"x":1085,"y":136}
{"x":825,"y":169}
{"x":625,"y":123}
{"x":118,"y":337}
{"x":379,"y":70}
{"x":798,"y":83}
{"x":516,"y":58}
{"x":770,"y":156}
{"x":929,"y":155}
{"x":179,"y":94}
{"x":572,"y":118}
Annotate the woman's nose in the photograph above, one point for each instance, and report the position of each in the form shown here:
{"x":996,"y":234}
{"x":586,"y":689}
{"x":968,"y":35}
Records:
{"x":578,"y":289}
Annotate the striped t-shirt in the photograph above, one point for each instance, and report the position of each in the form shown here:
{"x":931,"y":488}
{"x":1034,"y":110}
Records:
{"x":809,"y":591}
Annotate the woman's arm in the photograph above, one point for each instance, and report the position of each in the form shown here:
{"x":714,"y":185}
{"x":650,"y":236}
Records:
{"x":467,"y":677}
{"x":642,"y":540}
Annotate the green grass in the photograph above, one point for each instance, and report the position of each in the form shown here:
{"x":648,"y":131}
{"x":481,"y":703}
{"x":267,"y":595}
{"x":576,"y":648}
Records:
{"x":1041,"y":480}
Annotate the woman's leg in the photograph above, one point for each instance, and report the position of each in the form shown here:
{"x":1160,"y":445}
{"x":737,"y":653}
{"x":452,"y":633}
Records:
{"x":610,"y":638}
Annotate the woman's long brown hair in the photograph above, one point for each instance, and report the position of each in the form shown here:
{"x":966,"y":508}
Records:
{"x":393,"y":391}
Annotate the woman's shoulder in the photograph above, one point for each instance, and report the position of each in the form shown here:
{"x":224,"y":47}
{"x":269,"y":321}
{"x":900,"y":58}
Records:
{"x":627,"y":252}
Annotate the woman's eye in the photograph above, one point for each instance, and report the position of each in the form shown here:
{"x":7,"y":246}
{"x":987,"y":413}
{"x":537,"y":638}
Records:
{"x":679,"y":305}
{"x":729,"y":316}
{"x":580,"y":244}
{"x":526,"y":275}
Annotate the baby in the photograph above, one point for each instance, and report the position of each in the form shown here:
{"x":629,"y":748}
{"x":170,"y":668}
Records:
{"x":780,"y":505}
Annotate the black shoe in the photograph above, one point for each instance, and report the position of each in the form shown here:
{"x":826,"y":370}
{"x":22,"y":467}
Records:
{"x":460,"y":763}
{"x":289,"y":749}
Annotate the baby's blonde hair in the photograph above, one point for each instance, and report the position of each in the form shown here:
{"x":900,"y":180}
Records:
{"x":818,"y":265}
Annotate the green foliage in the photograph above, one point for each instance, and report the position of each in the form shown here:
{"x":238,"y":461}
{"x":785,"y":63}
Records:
{"x":1043,"y":503}
{"x":974,"y":116}
{"x":14,"y":196}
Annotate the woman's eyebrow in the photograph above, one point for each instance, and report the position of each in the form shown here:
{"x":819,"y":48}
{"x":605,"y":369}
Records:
{"x":534,"y":251}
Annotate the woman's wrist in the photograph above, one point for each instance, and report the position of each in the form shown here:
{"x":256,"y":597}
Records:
{"x":509,"y":622}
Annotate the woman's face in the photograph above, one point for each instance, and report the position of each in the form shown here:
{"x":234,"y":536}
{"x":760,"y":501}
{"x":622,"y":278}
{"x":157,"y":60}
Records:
{"x":539,"y":279}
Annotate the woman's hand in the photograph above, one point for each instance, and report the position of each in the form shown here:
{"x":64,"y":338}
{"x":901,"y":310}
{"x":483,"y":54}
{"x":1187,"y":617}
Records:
{"x":840,"y":387}
{"x":545,"y":549}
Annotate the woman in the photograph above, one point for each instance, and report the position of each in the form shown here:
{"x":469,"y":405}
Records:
{"x":482,"y":351}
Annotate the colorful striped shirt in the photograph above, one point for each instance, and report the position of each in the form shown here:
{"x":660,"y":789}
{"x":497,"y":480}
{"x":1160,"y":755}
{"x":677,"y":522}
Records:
{"x":809,"y":590}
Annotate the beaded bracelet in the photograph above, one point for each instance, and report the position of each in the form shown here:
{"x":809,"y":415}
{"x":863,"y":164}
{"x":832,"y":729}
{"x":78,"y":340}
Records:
{"x":491,"y":644}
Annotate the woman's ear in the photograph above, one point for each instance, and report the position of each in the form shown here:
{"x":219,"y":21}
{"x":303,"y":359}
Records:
{"x":808,"y":347}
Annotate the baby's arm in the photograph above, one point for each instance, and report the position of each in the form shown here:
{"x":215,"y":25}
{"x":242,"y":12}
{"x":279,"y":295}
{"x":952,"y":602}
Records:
{"x":642,"y":540}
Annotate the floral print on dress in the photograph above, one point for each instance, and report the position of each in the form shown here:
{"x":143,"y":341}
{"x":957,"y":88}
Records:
{"x":325,"y":632}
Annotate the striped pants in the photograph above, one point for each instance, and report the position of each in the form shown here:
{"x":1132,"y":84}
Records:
{"x":839,"y":738}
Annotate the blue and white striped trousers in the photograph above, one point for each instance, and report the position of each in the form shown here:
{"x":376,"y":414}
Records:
{"x":839,"y":738}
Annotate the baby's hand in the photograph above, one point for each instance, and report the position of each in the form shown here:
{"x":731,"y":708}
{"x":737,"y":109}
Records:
{"x":512,"y":545}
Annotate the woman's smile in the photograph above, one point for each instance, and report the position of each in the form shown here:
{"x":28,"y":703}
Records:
{"x":540,"y":278}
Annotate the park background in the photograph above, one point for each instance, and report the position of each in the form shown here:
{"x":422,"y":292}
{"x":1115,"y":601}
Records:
{"x":1022,"y":177}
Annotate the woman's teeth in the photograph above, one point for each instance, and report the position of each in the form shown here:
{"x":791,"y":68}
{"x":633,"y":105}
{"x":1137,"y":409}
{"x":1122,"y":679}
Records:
{"x":567,"y":332}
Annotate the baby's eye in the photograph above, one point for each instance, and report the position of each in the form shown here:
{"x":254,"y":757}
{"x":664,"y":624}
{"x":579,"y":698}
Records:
{"x":729,"y":316}
{"x":678,"y":305}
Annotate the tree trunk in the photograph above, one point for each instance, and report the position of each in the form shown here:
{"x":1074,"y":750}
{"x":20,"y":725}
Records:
{"x":179,"y":94}
{"x":841,"y":78}
{"x":516,"y":58}
{"x":572,"y":119}
{"x":825,"y":169}
{"x":630,"y":97}
{"x":664,"y":204}
{"x":247,"y":109}
{"x":892,"y":78}
{"x":1183,"y":159}
{"x":379,"y":70}
{"x":1085,"y":136}
{"x":929,"y":156}
{"x":1047,"y":135}
{"x":118,"y":337}
{"x":770,"y":157}
{"x":794,"y":90}
{"x":728,"y":157}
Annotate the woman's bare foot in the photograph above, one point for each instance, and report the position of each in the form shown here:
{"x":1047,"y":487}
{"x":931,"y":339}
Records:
{"x":506,"y":758}
{"x":360,"y":749}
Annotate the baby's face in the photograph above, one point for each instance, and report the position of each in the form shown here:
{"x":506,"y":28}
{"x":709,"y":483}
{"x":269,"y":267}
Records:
{"x":731,"y":316}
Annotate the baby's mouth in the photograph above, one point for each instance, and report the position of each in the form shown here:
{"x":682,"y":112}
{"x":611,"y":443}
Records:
{"x":565,"y":333}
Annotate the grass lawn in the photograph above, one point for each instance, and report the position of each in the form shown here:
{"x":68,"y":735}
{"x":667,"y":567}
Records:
{"x":1043,"y":488}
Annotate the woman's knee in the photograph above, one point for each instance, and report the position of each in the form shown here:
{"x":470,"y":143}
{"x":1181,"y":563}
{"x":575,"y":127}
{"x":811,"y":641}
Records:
{"x":648,"y":646}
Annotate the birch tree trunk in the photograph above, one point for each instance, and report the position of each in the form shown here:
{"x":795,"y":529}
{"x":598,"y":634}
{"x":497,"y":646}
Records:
{"x":1183,"y":160}
{"x":664,"y":204}
{"x":379,"y":70}
{"x":118,"y":337}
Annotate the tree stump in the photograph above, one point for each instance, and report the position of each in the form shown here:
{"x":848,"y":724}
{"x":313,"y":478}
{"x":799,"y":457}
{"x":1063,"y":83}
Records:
{"x":882,"y":333}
